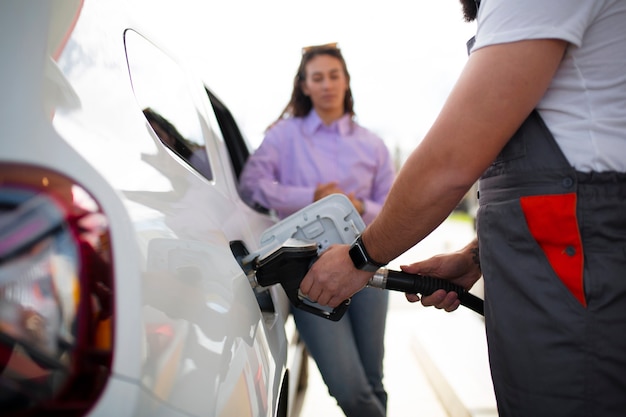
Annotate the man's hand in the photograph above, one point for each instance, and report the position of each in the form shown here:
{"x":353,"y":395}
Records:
{"x":461,"y":268}
{"x":333,"y":278}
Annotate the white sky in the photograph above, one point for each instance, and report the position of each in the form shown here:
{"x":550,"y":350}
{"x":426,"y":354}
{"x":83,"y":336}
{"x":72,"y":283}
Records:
{"x":403,"y":56}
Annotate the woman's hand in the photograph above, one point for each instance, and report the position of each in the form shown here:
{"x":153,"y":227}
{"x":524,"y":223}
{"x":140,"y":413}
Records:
{"x":324,"y":190}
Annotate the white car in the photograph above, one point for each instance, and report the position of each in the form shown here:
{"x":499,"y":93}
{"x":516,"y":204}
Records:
{"x":122,"y":291}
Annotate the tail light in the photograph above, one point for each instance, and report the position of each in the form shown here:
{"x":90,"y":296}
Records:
{"x":56,"y":299}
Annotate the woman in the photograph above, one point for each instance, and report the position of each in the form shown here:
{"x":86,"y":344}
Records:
{"x":315,"y":149}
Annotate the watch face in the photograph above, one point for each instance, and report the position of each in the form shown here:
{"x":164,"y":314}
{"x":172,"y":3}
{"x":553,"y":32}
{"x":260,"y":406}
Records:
{"x":359,"y":257}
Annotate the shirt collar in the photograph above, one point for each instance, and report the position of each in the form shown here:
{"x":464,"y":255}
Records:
{"x":312,"y":123}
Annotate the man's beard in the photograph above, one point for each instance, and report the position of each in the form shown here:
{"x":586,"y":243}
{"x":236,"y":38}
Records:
{"x":470,"y":10}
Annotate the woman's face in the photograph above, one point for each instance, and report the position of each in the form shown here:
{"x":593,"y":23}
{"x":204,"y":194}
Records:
{"x":326,"y":84}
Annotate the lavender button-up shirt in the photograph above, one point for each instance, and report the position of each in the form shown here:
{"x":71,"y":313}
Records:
{"x":298,"y":153}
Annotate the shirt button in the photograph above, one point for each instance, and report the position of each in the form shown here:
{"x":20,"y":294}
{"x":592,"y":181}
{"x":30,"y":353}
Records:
{"x":570,"y":251}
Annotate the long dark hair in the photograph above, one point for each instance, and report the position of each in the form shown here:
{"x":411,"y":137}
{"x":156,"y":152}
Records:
{"x":300,"y":104}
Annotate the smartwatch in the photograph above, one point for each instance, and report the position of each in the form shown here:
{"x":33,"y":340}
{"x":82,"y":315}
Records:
{"x":360,"y":257}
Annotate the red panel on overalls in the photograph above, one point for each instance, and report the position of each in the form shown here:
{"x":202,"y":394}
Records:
{"x":552,"y":222}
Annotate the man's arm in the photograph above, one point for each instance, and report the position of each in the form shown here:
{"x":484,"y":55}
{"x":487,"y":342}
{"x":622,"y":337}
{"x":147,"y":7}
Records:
{"x":498,"y":88}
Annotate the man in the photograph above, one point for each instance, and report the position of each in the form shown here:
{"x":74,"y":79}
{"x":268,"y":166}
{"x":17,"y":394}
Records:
{"x":539,"y":114}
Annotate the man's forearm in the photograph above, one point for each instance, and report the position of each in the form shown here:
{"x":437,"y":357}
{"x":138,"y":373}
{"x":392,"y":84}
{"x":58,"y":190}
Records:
{"x":410,"y":215}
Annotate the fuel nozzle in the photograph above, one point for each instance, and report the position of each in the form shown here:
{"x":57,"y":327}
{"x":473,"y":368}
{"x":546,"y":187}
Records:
{"x":287,"y":264}
{"x":275,"y":264}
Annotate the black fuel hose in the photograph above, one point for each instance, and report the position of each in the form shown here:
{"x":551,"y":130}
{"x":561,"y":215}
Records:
{"x":425,"y":285}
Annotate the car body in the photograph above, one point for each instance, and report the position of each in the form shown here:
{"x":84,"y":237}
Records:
{"x":122,"y":289}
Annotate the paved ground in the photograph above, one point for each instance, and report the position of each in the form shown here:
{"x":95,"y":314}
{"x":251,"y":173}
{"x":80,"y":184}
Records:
{"x":435,"y":362}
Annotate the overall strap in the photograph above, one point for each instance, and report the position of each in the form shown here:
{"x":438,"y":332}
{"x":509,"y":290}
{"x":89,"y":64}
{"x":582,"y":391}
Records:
{"x":530,"y":163}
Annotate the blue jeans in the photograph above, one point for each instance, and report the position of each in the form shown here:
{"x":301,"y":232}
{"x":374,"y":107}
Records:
{"x":349,"y":353}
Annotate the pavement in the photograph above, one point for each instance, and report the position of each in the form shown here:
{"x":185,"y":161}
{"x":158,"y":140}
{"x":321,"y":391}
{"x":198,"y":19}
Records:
{"x":436,"y":363}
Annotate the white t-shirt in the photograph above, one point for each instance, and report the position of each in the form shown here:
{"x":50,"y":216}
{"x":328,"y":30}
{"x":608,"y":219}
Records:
{"x":585,"y":105}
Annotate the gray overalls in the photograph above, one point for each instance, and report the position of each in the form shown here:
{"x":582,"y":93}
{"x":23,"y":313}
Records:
{"x":553,"y":256}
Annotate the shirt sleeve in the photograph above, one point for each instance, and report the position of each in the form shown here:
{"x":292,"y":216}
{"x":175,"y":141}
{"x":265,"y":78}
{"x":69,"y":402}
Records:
{"x":259,"y":183}
{"x":505,"y":21}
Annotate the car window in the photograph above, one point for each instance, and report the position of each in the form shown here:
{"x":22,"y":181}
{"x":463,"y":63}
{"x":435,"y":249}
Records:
{"x":235,"y":143}
{"x":162,"y":91}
